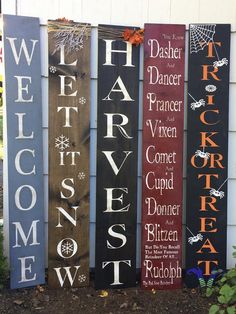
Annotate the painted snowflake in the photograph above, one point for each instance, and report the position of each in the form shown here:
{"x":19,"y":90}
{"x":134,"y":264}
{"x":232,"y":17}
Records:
{"x":82,"y":100}
{"x":67,"y":248}
{"x":82,"y":278}
{"x":52,"y":69}
{"x":62,"y":142}
{"x":81,"y":175}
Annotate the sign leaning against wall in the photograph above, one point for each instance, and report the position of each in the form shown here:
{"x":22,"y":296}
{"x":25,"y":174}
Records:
{"x":69,"y":140}
{"x":23,"y":101}
{"x":118,"y":73}
{"x":163,"y":115}
{"x":207,"y":151}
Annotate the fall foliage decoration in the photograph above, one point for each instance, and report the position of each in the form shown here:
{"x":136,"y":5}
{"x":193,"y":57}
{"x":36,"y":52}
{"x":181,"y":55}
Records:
{"x":64,"y":20}
{"x":135,"y":37}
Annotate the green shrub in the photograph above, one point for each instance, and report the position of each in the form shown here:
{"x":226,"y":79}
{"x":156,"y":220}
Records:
{"x":225,"y":291}
{"x":3,"y":263}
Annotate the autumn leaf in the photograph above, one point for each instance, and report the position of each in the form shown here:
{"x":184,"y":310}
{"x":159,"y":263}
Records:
{"x":64,"y":20}
{"x":103,"y":294}
{"x":127,"y":33}
{"x":134,"y":37}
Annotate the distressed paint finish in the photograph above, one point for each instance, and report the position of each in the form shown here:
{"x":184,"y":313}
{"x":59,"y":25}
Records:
{"x":24,"y":150}
{"x":207,"y":150}
{"x":69,"y":140}
{"x":118,"y":69}
{"x":163,"y":107}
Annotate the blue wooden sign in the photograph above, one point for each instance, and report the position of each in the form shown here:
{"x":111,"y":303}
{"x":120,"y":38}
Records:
{"x":24,"y":150}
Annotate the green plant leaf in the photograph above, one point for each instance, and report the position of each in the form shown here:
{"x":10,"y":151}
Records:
{"x":214,"y":309}
{"x":231,"y":309}
{"x":221,"y":311}
{"x":209,"y":292}
{"x":232,"y":273}
{"x":227,"y":292}
{"x":223,"y":279}
{"x":222,"y":300}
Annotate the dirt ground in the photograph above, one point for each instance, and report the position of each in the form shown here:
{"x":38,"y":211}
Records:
{"x":87,"y":300}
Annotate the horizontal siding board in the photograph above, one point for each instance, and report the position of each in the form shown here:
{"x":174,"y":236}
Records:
{"x":93,"y":108}
{"x":9,"y":7}
{"x":230,"y":242}
{"x":231,"y":156}
{"x":96,"y":11}
{"x":231,"y":203}
{"x":217,"y":11}
{"x":128,"y":13}
{"x":93,"y":200}
{"x":93,"y":152}
{"x":44,"y":50}
{"x":70,"y":9}
{"x":159,"y":11}
{"x":232,"y":59}
{"x":232,"y":107}
{"x":45,"y":101}
{"x":184,"y":11}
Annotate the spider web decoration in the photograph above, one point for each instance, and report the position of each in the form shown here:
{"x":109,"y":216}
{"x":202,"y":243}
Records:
{"x":200,"y":36}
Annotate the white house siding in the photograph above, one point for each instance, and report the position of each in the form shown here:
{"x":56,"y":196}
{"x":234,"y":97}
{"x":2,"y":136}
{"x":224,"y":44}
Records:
{"x":134,"y":13}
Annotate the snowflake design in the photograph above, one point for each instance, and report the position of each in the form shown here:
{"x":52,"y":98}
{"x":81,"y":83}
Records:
{"x":52,"y":69}
{"x":81,"y":175}
{"x":82,"y":100}
{"x":62,"y":142}
{"x":82,"y":278}
{"x":67,"y":248}
{"x":210,"y":88}
{"x":72,"y":39}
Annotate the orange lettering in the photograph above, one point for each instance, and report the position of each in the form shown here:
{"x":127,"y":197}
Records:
{"x":206,"y":138}
{"x":205,"y":73}
{"x":210,"y":203}
{"x":210,"y":99}
{"x":207,"y":266}
{"x":216,"y":162}
{"x":208,"y":179}
{"x":203,"y":160}
{"x":207,"y":245}
{"x":203,"y":118}
{"x":210,"y":48}
{"x":205,"y":223}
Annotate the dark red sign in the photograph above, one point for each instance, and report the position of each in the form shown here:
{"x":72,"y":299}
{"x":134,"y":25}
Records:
{"x":163,"y":107}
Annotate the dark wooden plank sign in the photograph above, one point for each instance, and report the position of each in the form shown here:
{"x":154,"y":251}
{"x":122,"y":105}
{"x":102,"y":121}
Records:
{"x":163,"y":107}
{"x":207,"y":151}
{"x":21,"y":43}
{"x":69,"y":138}
{"x":118,"y":70}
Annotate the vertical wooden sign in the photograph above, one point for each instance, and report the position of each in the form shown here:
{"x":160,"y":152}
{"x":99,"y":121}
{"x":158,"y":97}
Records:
{"x":207,"y":151}
{"x":22,"y":90}
{"x":118,"y":79}
{"x":69,"y":138}
{"x":163,"y":107}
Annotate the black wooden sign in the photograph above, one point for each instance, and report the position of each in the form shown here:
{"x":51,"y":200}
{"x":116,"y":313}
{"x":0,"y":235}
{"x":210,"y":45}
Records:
{"x":207,"y":151}
{"x":118,"y":70}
